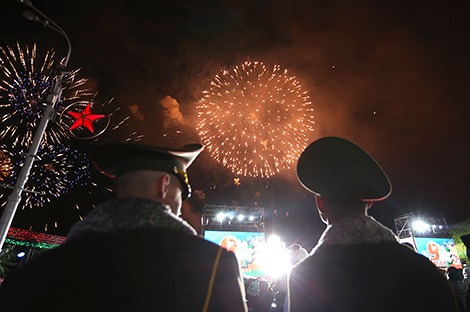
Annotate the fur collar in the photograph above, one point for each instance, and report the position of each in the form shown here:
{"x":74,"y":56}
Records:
{"x":355,"y":231}
{"x":129,"y":213}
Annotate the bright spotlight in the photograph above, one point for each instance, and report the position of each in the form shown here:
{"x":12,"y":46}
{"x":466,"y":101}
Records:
{"x":220,"y":216}
{"x":240,"y":217}
{"x":274,"y":239}
{"x":251,"y":218}
{"x":420,"y":226}
{"x":231,"y":217}
{"x":274,"y":257}
{"x":21,"y":254}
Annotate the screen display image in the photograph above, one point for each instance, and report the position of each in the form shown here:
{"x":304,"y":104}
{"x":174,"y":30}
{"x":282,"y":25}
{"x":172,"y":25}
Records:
{"x":441,"y":251}
{"x":246,"y":246}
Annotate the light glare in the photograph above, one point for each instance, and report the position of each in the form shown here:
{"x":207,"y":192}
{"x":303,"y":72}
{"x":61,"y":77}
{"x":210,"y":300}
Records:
{"x":420,"y":226}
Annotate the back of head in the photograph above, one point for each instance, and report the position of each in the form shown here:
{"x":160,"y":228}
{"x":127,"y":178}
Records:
{"x":454,"y":274}
{"x":139,"y":183}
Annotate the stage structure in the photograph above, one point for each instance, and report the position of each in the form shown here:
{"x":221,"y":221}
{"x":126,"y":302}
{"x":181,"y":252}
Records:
{"x":409,"y":226}
{"x":232,"y":218}
{"x":430,"y":237}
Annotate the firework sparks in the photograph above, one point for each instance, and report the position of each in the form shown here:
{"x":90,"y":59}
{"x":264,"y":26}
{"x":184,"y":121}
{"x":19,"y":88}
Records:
{"x":113,"y":124}
{"x":255,"y":120}
{"x":25,"y":84}
{"x":58,"y":168}
{"x":5,"y":166}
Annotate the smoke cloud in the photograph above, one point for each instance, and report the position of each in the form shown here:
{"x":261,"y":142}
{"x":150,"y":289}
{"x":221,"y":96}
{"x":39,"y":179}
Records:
{"x":171,"y":112}
{"x":135,"y":110}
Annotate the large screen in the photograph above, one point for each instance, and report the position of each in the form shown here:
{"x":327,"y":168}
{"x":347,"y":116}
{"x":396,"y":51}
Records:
{"x":441,"y":251}
{"x":246,"y":246}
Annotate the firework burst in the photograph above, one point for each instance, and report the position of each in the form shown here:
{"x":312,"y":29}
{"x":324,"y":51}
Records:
{"x":57,"y":169}
{"x":255,"y":120}
{"x":25,"y":84}
{"x":5,"y":165}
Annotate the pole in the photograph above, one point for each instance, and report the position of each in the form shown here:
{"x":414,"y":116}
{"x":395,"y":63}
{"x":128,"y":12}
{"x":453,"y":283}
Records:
{"x":15,"y":197}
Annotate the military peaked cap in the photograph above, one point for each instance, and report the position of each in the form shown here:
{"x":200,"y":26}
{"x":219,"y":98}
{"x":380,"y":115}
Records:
{"x":337,"y":168}
{"x":116,"y":159}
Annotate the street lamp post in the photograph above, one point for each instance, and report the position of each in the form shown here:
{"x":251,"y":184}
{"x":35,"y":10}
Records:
{"x":15,"y":197}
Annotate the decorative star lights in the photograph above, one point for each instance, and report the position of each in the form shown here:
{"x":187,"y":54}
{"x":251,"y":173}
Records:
{"x":84,"y":119}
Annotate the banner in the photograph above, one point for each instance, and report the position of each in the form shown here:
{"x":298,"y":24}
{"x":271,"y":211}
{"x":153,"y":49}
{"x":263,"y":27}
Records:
{"x":440,"y":251}
{"x":245,"y":245}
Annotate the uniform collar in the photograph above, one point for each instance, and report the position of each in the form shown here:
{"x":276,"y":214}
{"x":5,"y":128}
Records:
{"x":358,"y":230}
{"x":129,"y":213}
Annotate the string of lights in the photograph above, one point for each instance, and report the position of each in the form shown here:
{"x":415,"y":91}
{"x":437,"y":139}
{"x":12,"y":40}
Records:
{"x":33,"y":239}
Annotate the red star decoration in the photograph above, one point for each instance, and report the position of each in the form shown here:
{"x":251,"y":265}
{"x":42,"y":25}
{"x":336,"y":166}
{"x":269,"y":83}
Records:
{"x":84,"y":119}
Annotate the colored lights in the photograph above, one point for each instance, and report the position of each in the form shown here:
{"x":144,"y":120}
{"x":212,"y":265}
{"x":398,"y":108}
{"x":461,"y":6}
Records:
{"x":26,"y":238}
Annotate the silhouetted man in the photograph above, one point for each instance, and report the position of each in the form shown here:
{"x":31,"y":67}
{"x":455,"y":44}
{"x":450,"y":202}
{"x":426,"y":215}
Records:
{"x":132,"y":253}
{"x":358,"y":265}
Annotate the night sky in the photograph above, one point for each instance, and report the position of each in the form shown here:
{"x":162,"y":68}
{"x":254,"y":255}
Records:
{"x":392,"y":76}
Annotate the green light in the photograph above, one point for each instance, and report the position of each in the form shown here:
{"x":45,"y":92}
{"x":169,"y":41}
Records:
{"x":29,"y":244}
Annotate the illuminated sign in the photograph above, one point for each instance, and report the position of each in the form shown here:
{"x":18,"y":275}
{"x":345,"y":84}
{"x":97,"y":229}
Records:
{"x":440,"y":251}
{"x":246,"y":246}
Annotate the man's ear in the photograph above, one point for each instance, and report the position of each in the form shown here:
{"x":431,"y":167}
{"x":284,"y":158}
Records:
{"x":319,"y":203}
{"x":162,"y":185}
{"x":322,"y":209}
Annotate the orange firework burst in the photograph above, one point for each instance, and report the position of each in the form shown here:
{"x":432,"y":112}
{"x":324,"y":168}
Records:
{"x":5,"y":165}
{"x":255,"y":120}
